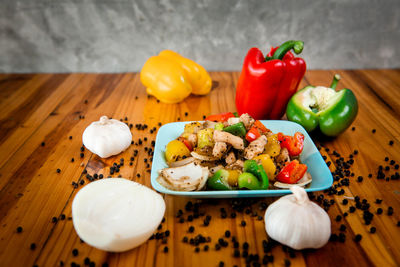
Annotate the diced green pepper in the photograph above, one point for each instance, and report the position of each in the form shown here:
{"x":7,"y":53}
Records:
{"x":237,"y":129}
{"x":219,"y":126}
{"x":219,"y":181}
{"x":333,"y":111}
{"x":254,"y":176}
{"x":249,"y":181}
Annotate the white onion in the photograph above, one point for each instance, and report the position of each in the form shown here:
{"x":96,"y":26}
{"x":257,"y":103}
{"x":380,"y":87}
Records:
{"x":116,"y":214}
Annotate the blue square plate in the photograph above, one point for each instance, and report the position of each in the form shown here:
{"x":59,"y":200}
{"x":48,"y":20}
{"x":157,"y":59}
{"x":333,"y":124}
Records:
{"x":321,"y":175}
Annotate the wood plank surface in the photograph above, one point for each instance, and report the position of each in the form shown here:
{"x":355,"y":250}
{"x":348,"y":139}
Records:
{"x":42,"y":118}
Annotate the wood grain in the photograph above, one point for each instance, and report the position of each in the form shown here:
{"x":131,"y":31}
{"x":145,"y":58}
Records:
{"x":42,"y":117}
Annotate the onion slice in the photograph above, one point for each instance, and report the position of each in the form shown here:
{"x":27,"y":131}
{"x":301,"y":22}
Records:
{"x":116,"y":214}
{"x":305,"y":180}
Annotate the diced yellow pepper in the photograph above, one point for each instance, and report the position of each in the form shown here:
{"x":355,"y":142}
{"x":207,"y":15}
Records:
{"x":192,"y":127}
{"x":197,"y":76}
{"x":176,"y":150}
{"x":272,"y":148}
{"x":268,"y":165}
{"x":205,"y":138}
{"x":233,"y":177}
{"x":165,"y":79}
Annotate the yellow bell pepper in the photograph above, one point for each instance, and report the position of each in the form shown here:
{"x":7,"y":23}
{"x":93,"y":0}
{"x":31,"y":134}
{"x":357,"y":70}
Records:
{"x":272,"y":148}
{"x":268,"y":165}
{"x":165,"y":79}
{"x":175,"y":151}
{"x":197,"y":76}
{"x":171,"y":78}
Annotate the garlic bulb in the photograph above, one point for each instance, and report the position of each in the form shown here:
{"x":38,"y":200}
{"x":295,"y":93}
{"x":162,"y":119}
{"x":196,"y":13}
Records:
{"x":116,"y":214}
{"x":107,"y":137}
{"x":297,"y":222}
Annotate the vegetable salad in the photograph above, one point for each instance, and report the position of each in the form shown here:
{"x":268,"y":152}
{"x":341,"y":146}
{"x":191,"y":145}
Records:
{"x":228,"y":152}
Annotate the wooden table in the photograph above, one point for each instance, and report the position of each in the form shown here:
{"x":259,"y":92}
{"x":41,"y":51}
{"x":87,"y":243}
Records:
{"x":42,"y":117}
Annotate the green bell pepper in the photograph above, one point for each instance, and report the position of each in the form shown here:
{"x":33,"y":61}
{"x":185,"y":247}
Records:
{"x":237,"y":129}
{"x":333,"y":111}
{"x":219,"y":126}
{"x":219,"y":181}
{"x":254,"y":176}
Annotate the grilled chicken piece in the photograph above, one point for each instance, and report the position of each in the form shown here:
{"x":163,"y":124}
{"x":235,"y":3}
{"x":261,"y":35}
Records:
{"x":247,"y":120}
{"x":219,"y":149}
{"x":237,"y":165}
{"x":232,"y":121}
{"x":235,"y":141}
{"x":189,"y":177}
{"x":256,"y":147}
{"x":282,"y":158}
{"x":230,"y":158}
{"x":192,"y":138}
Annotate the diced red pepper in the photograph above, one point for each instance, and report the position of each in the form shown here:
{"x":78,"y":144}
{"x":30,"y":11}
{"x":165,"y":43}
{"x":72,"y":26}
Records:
{"x":260,"y":126}
{"x":294,"y":144}
{"x":292,"y":172}
{"x":186,"y":142}
{"x":253,"y":134}
{"x":220,"y":117}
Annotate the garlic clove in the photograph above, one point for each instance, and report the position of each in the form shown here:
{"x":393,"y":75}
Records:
{"x":116,"y":214}
{"x":107,"y":137}
{"x":297,"y":222}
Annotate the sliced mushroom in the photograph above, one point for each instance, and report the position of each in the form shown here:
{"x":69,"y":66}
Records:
{"x":235,"y":141}
{"x":189,"y":177}
{"x":256,"y":147}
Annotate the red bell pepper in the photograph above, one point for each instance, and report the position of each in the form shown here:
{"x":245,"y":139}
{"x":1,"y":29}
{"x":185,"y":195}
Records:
{"x":266,"y":84}
{"x":294,"y":144}
{"x":292,"y":172}
{"x":260,"y":126}
{"x":255,"y":131}
{"x":252,"y":134}
{"x":186,"y":142}
{"x":220,"y":117}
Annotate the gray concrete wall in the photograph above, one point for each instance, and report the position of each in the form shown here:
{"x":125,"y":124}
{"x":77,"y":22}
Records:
{"x":118,"y":36}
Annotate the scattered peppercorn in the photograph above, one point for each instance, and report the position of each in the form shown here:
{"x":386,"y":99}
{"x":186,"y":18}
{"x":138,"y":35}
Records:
{"x":19,"y":229}
{"x":33,"y":246}
{"x":165,"y":249}
{"x":358,"y":238}
{"x":243,"y":223}
{"x":372,"y":230}
{"x":75,"y":252}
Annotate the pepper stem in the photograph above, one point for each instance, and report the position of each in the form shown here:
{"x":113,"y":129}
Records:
{"x":335,"y":81}
{"x":297,"y":47}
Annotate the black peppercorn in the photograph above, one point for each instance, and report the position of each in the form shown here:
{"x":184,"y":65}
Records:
{"x":243,"y":223}
{"x":75,"y":252}
{"x":19,"y":229}
{"x":372,"y":230}
{"x":165,"y":249}
{"x":358,"y":238}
